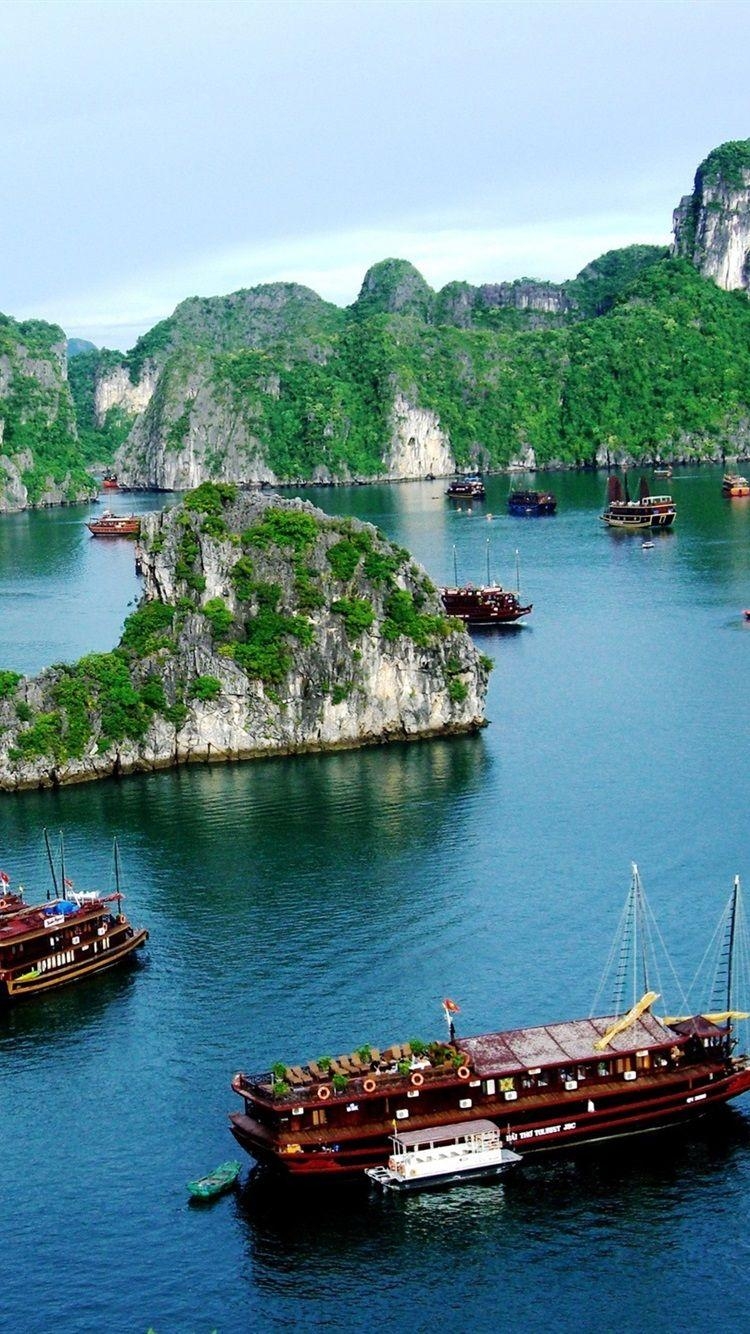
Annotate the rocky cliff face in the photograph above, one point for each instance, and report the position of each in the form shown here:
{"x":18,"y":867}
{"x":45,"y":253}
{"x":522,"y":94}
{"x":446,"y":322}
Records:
{"x":39,"y":456}
{"x":266,"y":628}
{"x":712,"y":225}
{"x":115,"y":389}
{"x":419,"y":445}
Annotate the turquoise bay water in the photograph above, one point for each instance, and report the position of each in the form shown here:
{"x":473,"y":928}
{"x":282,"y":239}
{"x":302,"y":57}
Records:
{"x":304,"y":906}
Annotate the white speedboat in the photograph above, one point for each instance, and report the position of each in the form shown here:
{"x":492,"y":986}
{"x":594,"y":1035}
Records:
{"x":444,"y":1156}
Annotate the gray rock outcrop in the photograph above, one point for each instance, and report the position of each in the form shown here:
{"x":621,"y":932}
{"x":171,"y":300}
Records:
{"x":266,"y":628}
{"x":712,"y":225}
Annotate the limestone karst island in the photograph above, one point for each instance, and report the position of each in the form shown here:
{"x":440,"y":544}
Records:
{"x":267,"y":627}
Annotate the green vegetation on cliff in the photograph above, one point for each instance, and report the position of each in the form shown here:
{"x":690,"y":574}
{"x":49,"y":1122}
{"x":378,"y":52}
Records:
{"x":37,"y":416}
{"x":729,"y":163}
{"x":271,"y":558}
{"x":654,"y":360}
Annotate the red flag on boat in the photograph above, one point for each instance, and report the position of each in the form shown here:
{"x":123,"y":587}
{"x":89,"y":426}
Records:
{"x":4,"y":879}
{"x":68,"y":883}
{"x":450,"y":1006}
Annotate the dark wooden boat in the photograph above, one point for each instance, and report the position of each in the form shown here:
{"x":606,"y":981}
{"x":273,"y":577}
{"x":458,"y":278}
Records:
{"x":733,"y":484}
{"x":547,"y":1087}
{"x":634,"y":515}
{"x":70,"y":937}
{"x":114,"y":525}
{"x":468,"y":485}
{"x":531,"y":502}
{"x":487,"y":605}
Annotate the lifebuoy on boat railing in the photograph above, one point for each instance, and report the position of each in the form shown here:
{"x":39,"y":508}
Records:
{"x":323,"y":1092}
{"x":463,"y":1072}
{"x":369,"y":1086}
{"x":417,"y":1079}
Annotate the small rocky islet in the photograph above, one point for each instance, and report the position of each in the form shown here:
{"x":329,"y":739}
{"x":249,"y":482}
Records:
{"x":266,"y":627}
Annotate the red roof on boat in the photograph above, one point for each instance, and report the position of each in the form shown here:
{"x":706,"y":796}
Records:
{"x":557,"y":1044}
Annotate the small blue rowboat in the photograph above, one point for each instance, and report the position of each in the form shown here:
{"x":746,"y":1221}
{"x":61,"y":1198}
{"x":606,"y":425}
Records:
{"x":222,"y":1178}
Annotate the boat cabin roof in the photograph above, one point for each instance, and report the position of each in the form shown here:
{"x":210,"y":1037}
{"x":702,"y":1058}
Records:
{"x":413,"y":1139}
{"x":526,"y":1049}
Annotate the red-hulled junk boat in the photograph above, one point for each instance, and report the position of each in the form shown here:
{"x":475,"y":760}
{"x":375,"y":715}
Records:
{"x":633,"y":515}
{"x":548,"y":1087}
{"x":63,"y":940}
{"x":110,"y":482}
{"x":486,"y":605}
{"x":114,"y":525}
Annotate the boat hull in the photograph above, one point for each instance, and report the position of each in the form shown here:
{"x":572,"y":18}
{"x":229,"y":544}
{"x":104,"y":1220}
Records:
{"x":19,"y":988}
{"x":616,"y":1110}
{"x":637,"y":522}
{"x":464,"y":1177}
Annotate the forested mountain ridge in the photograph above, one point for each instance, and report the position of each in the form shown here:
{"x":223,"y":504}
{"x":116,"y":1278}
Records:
{"x":644,"y":354}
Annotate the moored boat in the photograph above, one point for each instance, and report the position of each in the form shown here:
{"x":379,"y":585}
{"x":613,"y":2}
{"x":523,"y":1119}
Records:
{"x":552,"y":1086}
{"x":445,"y":1156}
{"x":633,"y":515}
{"x":487,"y":605}
{"x":531,"y":502}
{"x":734,"y":484}
{"x":69,"y":937}
{"x":466,"y":485}
{"x":110,"y":482}
{"x":114,"y":525}
{"x":215,"y":1183}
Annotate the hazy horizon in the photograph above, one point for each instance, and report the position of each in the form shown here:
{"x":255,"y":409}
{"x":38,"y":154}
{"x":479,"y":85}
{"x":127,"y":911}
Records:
{"x":156,"y":151}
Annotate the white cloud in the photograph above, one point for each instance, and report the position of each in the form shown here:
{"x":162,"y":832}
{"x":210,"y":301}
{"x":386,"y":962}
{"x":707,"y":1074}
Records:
{"x":334,"y":265}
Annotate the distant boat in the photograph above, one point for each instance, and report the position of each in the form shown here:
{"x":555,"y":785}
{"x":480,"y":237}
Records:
{"x":531,"y":502}
{"x":444,"y":1156}
{"x":633,"y":515}
{"x":734,"y":484}
{"x":109,"y":481}
{"x":115,"y":525}
{"x":468,"y":484}
{"x":216,"y":1183}
{"x":663,"y":472}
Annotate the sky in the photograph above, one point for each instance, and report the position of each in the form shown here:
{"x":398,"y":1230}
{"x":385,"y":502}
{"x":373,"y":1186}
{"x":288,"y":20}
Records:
{"x":156,"y":151}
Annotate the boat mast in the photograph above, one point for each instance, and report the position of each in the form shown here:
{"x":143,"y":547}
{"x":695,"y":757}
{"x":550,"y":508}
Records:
{"x":62,"y":862}
{"x":51,"y":865}
{"x":518,"y":573}
{"x":455,"y":566}
{"x":118,"y":891}
{"x":489,"y":581}
{"x":730,"y":958}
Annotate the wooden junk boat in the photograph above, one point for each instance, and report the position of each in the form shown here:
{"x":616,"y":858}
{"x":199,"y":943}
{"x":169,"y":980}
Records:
{"x":531,"y":502}
{"x":114,"y":525}
{"x":548,"y":1087}
{"x":486,"y":605}
{"x":110,"y":482}
{"x":735,"y":485}
{"x":633,"y":515}
{"x":467,"y":485}
{"x":63,"y":940}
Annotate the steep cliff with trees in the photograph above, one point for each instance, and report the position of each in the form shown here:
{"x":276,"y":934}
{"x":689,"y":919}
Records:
{"x":41,"y":458}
